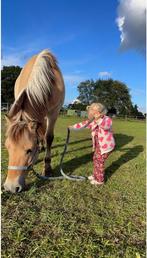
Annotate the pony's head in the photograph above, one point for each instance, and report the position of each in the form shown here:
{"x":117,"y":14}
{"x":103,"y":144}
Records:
{"x":22,"y":145}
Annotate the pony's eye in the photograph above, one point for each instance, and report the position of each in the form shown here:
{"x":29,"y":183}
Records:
{"x":28,"y":151}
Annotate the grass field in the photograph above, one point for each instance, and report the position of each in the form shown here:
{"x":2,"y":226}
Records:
{"x":75,"y":219}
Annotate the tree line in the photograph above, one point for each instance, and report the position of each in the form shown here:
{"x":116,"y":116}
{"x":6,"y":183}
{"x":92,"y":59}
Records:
{"x":114,"y":94}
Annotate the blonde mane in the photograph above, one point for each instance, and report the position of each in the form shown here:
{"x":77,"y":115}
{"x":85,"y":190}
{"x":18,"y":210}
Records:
{"x":42,"y":78}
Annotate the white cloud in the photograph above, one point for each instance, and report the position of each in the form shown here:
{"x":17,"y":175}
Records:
{"x":131,"y":23}
{"x":104,"y":74}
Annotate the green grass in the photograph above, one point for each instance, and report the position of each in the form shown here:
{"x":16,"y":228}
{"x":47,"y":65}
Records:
{"x":76,"y":219}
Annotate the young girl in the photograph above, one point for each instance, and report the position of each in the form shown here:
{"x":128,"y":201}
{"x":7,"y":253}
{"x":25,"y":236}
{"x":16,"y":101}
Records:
{"x":102,"y":138}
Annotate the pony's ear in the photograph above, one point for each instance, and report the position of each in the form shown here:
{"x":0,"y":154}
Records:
{"x":33,"y":126}
{"x":18,"y":104}
{"x":7,"y":118}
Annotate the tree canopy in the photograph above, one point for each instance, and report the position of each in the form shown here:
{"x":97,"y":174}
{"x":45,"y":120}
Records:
{"x":112,"y":93}
{"x":9,"y":75}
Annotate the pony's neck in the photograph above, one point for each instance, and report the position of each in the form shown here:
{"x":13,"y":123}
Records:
{"x":32,"y":114}
{"x":33,"y":111}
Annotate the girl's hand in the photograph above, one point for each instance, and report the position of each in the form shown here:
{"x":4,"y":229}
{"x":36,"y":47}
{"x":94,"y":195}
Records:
{"x":70,"y":127}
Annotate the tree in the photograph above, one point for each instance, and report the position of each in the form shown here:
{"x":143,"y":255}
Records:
{"x":136,"y":113}
{"x":78,"y":106}
{"x":86,"y":90}
{"x":9,"y":75}
{"x":113,"y":94}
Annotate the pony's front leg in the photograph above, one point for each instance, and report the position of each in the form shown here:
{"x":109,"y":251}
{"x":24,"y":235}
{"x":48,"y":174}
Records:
{"x":49,"y":139}
{"x":47,"y":161}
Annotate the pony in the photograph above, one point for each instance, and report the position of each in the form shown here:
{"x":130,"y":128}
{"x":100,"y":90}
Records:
{"x":39,"y":95}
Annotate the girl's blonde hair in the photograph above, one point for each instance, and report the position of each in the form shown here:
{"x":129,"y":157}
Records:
{"x":98,"y":107}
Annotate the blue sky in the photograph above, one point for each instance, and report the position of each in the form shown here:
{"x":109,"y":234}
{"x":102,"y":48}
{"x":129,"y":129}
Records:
{"x":82,"y":34}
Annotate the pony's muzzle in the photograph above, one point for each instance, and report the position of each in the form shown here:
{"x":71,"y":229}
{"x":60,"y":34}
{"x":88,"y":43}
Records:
{"x":13,"y":189}
{"x":15,"y":186}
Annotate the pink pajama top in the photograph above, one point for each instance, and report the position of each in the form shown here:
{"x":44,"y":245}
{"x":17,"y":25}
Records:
{"x":104,"y":131}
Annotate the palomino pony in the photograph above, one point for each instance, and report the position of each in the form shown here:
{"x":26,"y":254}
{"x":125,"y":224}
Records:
{"x":39,"y":95}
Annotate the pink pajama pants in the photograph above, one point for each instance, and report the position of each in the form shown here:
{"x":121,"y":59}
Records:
{"x":98,"y":162}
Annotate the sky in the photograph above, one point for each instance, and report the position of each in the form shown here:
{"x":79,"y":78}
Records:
{"x":90,"y":39}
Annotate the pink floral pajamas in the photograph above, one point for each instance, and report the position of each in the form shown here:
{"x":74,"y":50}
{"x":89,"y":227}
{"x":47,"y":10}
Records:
{"x":103,"y":143}
{"x":99,"y":161}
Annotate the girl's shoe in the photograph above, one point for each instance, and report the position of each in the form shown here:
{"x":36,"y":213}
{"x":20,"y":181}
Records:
{"x":94,"y":182}
{"x":91,"y":177}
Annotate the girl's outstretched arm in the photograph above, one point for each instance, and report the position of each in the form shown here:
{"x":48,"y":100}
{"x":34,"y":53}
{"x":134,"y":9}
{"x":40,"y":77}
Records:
{"x":81,"y":124}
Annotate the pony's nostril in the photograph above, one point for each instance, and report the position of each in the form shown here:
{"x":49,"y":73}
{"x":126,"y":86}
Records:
{"x":18,"y":189}
{"x":5,"y":187}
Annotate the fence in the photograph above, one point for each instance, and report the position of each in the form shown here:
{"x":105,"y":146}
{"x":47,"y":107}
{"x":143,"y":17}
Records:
{"x":5,"y":107}
{"x":71,"y":112}
{"x":126,"y":117}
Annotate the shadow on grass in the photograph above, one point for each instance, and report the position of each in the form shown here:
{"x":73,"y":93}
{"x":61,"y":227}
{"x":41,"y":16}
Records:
{"x":59,"y":154}
{"x":121,"y":140}
{"x":127,"y":156}
{"x":75,"y":163}
{"x":71,"y":165}
{"x":68,"y":168}
{"x":62,"y":145}
{"x":71,"y":143}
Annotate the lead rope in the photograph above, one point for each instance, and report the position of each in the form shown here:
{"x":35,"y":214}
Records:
{"x":71,"y":177}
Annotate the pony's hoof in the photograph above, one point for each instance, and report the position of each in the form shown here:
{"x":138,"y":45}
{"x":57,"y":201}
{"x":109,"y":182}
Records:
{"x":47,"y":172}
